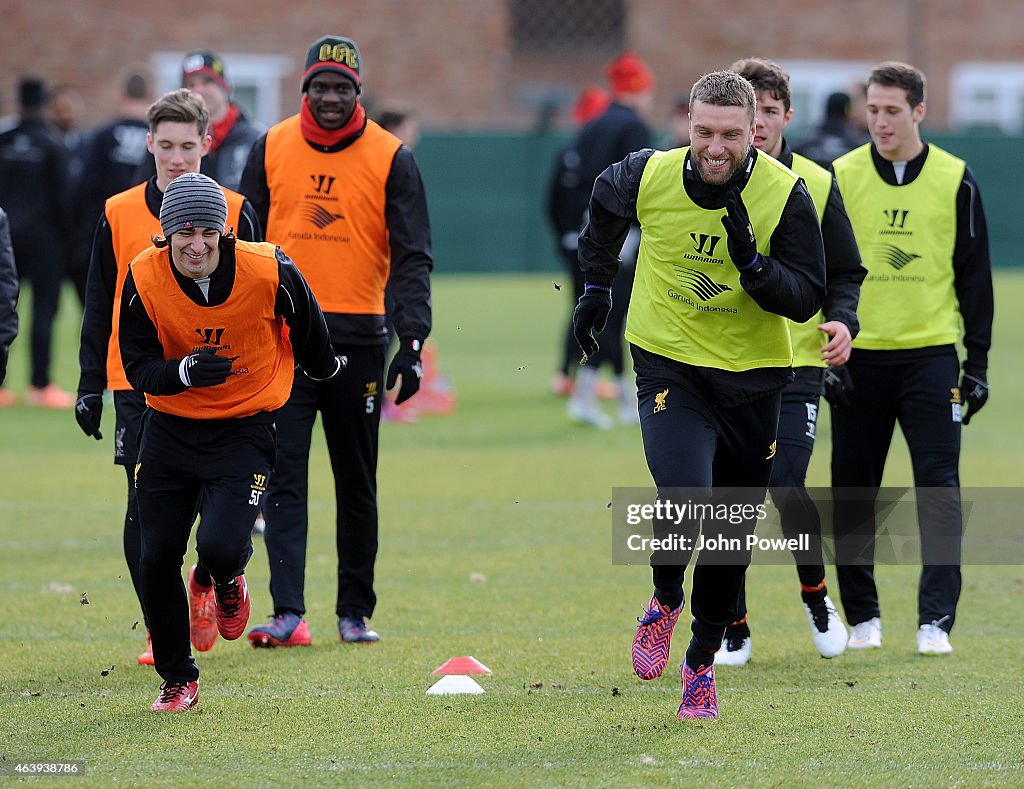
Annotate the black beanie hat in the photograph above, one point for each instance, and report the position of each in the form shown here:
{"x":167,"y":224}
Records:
{"x":32,"y":92}
{"x":333,"y":53}
{"x":193,"y":200}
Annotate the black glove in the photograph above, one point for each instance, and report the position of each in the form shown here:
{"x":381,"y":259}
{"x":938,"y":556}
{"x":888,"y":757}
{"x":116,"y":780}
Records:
{"x":205,"y":368}
{"x":974,"y":391}
{"x":590,"y":317}
{"x":88,"y":412}
{"x":838,"y":386}
{"x":739,"y":233}
{"x":407,"y":364}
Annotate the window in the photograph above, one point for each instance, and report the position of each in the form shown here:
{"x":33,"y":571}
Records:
{"x":545,"y":26}
{"x":255,"y":81}
{"x":987,"y":96}
{"x":811,"y":82}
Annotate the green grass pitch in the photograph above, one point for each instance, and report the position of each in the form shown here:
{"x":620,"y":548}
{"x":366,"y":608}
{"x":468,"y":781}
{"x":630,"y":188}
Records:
{"x":494,"y":543}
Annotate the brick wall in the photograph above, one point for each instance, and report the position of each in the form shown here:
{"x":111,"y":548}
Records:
{"x":452,"y":60}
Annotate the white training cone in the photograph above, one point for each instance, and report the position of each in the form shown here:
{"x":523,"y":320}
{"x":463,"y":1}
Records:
{"x":453,"y":685}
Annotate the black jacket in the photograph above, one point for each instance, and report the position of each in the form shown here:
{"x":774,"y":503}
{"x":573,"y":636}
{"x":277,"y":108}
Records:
{"x":612,"y":135}
{"x":830,"y":140}
{"x":149,"y":370}
{"x":615,"y":133}
{"x":568,"y":197}
{"x":8,"y":294}
{"x":604,"y":140}
{"x":112,"y":161}
{"x":99,"y":293}
{"x":405,"y":214}
{"x":34,"y":185}
{"x":843,"y":270}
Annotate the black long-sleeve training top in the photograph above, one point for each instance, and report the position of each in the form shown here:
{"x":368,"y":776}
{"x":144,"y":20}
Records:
{"x":9,"y":286}
{"x":844,"y":272}
{"x":149,"y":371}
{"x":790,"y":282}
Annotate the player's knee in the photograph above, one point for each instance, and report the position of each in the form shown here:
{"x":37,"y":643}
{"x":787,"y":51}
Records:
{"x":937,"y":470}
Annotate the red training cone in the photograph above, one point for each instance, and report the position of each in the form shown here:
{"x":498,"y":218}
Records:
{"x":462,"y":665}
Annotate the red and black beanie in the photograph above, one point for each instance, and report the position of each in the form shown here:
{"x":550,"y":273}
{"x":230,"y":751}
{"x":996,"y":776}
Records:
{"x":333,"y":53}
{"x":207,"y":64}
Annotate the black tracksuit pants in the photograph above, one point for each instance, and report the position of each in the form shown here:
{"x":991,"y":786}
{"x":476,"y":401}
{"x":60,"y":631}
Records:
{"x":38,"y":261}
{"x":798,"y":514}
{"x":225,"y":463}
{"x":129,"y":406}
{"x":349,"y":406}
{"x":920,"y":391}
{"x":691,"y":441}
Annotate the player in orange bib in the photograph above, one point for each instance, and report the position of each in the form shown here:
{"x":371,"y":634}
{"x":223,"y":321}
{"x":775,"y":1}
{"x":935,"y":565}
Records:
{"x":207,"y":327}
{"x":344,"y":198}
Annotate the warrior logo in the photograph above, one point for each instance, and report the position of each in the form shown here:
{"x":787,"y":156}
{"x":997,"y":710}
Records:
{"x":896,"y":217}
{"x":210,"y":336}
{"x":705,"y":244}
{"x":322,"y":183}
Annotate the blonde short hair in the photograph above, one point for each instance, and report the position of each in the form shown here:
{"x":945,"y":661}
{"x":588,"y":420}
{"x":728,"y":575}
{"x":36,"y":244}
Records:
{"x":725,"y":89}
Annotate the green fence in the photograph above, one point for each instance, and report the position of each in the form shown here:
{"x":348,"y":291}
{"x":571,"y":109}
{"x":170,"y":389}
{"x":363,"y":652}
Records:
{"x":998,"y":166}
{"x":487,"y":197}
{"x":488,"y":194}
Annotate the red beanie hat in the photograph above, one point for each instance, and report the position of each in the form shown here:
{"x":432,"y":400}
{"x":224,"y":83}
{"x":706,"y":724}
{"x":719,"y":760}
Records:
{"x":629,"y":74}
{"x":591,"y":102}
